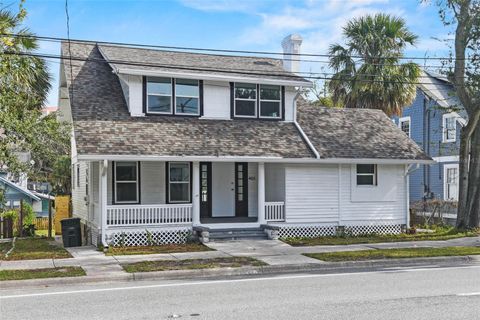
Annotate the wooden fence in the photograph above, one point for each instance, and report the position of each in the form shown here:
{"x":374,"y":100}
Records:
{"x":6,"y":228}
{"x":41,"y":223}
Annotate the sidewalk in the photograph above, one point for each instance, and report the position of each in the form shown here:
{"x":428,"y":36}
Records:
{"x":275,"y":253}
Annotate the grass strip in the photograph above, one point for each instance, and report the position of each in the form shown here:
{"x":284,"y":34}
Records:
{"x":165,"y":265}
{"x":4,"y":247}
{"x":37,"y":248}
{"x":167,"y":248}
{"x":394,"y":253}
{"x":438,"y":235}
{"x":41,"y":273}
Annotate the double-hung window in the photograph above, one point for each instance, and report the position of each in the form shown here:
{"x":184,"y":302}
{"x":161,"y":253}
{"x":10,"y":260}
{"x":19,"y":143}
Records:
{"x":245,"y":100}
{"x":449,"y":127}
{"x":404,"y":124}
{"x":366,"y":174}
{"x":178,"y":182}
{"x":187,"y":97}
{"x":159,"y":95}
{"x":270,"y":101}
{"x":450,"y":182}
{"x":126,"y":182}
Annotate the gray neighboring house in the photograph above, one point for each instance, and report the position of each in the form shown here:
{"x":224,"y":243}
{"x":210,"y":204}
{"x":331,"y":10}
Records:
{"x":168,"y":143}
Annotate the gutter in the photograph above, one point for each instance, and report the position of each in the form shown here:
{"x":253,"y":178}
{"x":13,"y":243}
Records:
{"x":302,"y":133}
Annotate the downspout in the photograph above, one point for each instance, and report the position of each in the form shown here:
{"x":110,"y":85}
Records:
{"x":302,"y":133}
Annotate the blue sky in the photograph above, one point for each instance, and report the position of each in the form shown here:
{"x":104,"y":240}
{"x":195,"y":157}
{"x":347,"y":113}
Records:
{"x":233,"y":24}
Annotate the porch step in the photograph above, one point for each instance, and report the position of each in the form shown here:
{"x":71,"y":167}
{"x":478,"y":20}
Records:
{"x":237,"y":234}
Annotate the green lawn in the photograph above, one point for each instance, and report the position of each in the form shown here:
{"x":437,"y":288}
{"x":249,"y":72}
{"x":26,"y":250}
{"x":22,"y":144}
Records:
{"x":37,"y":248}
{"x":4,"y":247}
{"x":394,"y":253}
{"x":167,"y":248}
{"x":230,"y":262}
{"x":41,"y":273}
{"x":439,"y":234}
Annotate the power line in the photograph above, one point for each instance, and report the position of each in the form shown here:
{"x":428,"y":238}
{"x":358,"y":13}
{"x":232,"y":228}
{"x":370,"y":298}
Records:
{"x":67,"y":16}
{"x":219,"y":50}
{"x":190,"y":68}
{"x":59,"y":40}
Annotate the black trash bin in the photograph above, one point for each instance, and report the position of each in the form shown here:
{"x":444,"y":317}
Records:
{"x":71,"y":233}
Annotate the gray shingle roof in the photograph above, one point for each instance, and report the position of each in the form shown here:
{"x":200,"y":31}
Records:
{"x":356,"y":133}
{"x":128,"y":58}
{"x":103,"y":125}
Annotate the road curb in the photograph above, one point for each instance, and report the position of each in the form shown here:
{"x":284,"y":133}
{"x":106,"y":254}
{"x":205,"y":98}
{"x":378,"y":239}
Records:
{"x":375,"y":265}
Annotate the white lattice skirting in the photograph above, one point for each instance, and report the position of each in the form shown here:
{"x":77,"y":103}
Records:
{"x":147,"y":237}
{"x":306,"y":231}
{"x":374,"y":229}
{"x":313,"y":231}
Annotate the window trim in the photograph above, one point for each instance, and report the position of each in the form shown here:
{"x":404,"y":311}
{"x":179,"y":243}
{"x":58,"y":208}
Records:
{"x":374,"y":174}
{"x":445,"y":117}
{"x":115,"y":182}
{"x":243,"y":99}
{"x":403,"y":120}
{"x":280,"y":103}
{"x":445,"y":184}
{"x":172,"y":94}
{"x":167,"y":200}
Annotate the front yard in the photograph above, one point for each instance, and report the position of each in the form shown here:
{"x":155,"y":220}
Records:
{"x":394,"y":253}
{"x":33,"y":248}
{"x":439,"y":233}
{"x":165,"y":265}
{"x":167,"y":248}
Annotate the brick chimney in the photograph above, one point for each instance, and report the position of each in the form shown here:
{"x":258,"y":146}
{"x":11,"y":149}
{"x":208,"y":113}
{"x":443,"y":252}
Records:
{"x":291,"y":45}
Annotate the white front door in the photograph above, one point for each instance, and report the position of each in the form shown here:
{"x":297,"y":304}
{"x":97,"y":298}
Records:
{"x":223,"y":189}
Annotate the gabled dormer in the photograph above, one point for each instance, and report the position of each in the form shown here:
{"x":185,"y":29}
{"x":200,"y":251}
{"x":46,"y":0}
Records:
{"x":209,"y":86}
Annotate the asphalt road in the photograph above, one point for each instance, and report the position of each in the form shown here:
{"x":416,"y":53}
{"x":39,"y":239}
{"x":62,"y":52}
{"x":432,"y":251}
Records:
{"x":438,"y":293}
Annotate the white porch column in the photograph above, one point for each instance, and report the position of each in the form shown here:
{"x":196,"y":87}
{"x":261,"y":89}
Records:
{"x":103,"y":169}
{"x":196,"y":194}
{"x":261,"y":193}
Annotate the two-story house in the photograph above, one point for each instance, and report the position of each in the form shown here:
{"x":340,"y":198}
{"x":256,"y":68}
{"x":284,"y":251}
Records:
{"x":166,"y":143}
{"x":434,"y":121}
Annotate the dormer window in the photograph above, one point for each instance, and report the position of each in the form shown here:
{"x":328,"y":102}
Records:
{"x":172,"y":96}
{"x":245,"y":100}
{"x":187,"y":95}
{"x":159,"y":95}
{"x":257,"y":101}
{"x":270,"y":100}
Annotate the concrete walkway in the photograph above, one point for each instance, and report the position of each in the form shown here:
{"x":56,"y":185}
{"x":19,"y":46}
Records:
{"x":273,"y":252}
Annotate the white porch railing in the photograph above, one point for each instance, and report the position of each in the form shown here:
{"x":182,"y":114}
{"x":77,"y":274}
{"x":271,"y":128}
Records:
{"x":275,"y":211}
{"x":138,"y":215}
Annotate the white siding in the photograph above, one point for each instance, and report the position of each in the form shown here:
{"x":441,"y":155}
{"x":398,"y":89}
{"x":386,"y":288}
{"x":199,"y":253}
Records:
{"x":79,"y":205}
{"x":132,"y":87}
{"x":216,"y":99}
{"x":274,"y":182}
{"x":311,"y":194}
{"x":383,"y":203}
{"x":95,"y":194}
{"x":152,"y":182}
{"x":289,"y":96}
{"x":328,"y":194}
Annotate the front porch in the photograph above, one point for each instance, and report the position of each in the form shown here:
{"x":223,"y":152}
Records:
{"x":154,"y":197}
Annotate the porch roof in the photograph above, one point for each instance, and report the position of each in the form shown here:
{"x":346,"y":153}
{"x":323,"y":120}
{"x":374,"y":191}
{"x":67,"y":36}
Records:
{"x":356,"y":134}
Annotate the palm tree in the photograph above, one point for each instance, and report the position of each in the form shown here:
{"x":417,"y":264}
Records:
{"x":23,"y":76}
{"x":368,"y":72}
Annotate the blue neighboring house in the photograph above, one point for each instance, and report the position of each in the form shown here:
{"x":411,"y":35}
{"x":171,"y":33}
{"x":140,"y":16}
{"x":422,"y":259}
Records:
{"x":434,"y":121}
{"x":14,"y":193}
